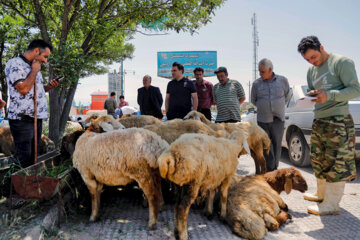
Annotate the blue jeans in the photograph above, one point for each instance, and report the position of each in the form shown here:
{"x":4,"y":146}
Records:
{"x":23,"y":134}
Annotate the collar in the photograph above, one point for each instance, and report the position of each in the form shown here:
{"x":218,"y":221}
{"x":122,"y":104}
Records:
{"x":25,"y":59}
{"x":272,"y":79}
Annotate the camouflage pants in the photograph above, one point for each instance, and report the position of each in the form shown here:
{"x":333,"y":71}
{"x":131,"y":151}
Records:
{"x":333,"y":148}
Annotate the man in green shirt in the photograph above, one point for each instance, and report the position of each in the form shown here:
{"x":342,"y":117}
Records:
{"x":333,"y":80}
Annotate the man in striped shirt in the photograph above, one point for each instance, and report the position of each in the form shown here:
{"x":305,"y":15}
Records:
{"x":228,"y":95}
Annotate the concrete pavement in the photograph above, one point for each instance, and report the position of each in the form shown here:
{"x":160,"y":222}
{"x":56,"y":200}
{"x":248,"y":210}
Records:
{"x":123,"y":217}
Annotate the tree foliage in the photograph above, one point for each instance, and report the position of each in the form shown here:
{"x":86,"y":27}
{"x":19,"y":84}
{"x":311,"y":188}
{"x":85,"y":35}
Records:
{"x":87,"y":35}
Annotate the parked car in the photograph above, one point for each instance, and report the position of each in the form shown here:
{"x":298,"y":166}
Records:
{"x":298,"y":126}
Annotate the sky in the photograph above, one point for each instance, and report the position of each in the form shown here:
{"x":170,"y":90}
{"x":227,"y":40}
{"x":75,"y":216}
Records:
{"x":280,"y":23}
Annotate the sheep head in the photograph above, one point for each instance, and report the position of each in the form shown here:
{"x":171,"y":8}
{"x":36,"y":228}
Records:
{"x":104,"y":124}
{"x":240,"y":137}
{"x":294,"y":180}
{"x":195,"y":115}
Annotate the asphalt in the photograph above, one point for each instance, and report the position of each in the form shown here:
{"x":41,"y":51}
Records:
{"x":123,"y":217}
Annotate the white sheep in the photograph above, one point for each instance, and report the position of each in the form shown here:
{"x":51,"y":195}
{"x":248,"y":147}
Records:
{"x":138,"y":121}
{"x":118,"y":158}
{"x":257,"y":139}
{"x":200,"y":163}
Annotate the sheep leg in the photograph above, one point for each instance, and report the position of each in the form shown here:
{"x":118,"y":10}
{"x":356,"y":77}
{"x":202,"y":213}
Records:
{"x":185,"y":198}
{"x":158,"y":186}
{"x":92,"y":185}
{"x":224,"y":193}
{"x":257,"y":165}
{"x":270,"y":222}
{"x":210,"y":204}
{"x":148,"y":185}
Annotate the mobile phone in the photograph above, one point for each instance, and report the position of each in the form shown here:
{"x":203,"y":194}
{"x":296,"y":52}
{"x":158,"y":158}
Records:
{"x":58,"y":78}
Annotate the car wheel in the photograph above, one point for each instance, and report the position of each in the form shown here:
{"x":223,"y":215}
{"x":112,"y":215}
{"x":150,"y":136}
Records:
{"x":299,"y":152}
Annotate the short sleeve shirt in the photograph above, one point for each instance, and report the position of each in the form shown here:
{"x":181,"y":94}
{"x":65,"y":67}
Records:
{"x":227,"y":100}
{"x":17,"y":69}
{"x":180,"y":95}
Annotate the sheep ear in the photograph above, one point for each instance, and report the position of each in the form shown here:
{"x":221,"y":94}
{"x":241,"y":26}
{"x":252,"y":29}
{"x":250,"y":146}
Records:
{"x":288,"y":185}
{"x":106,"y":127}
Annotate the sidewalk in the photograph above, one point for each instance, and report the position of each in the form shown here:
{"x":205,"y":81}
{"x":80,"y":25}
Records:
{"x":122,"y":217}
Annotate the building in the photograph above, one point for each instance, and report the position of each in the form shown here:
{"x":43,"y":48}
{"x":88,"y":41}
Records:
{"x":98,"y":100}
{"x":114,"y":83}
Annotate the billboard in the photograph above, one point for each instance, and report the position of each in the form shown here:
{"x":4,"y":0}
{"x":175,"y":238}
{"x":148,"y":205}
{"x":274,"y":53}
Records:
{"x":190,"y":59}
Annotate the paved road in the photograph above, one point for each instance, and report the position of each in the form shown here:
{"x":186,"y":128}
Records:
{"x":122,"y":217}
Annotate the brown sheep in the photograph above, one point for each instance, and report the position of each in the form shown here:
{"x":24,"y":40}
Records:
{"x":68,"y":143}
{"x":118,"y":158}
{"x":138,"y":121}
{"x":257,"y":138}
{"x":253,"y":207}
{"x":286,"y":179}
{"x":199,"y":163}
{"x":7,"y":143}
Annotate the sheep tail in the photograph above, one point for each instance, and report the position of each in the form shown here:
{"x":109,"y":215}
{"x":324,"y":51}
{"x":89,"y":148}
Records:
{"x":166,"y":165}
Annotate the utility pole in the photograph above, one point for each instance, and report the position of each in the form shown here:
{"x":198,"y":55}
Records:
{"x":255,"y":45}
{"x":122,"y":76}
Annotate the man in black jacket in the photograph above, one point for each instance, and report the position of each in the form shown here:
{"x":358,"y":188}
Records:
{"x":150,"y":99}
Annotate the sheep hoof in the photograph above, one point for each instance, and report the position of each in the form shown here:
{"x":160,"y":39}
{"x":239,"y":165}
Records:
{"x":223,"y":219}
{"x":152,"y":226}
{"x":92,"y":218}
{"x":209,"y":215}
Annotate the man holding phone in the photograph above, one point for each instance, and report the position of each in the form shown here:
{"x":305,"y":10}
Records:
{"x":333,"y":81}
{"x":21,"y":72}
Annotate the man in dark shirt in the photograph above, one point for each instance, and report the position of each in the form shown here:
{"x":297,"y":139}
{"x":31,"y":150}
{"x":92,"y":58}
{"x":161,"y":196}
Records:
{"x":150,"y":99}
{"x":205,"y":93}
{"x":181,"y":94}
{"x":110,"y":104}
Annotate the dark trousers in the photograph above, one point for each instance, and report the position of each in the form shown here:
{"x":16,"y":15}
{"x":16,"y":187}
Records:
{"x":275,"y":131}
{"x":23,"y":134}
{"x":228,"y":121}
{"x":206,"y":112}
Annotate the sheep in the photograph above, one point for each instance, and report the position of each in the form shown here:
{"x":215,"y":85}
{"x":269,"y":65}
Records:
{"x":258,"y":139}
{"x":200,"y":163}
{"x":118,"y":158}
{"x":7,"y":143}
{"x":138,"y":121}
{"x":253,"y":207}
{"x":68,"y":143}
{"x":104,"y":124}
{"x":286,"y":179}
{"x":172,"y":130}
{"x":72,"y":127}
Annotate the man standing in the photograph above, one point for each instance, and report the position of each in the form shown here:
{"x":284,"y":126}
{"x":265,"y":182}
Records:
{"x":110,"y":104}
{"x":181,"y":94}
{"x":228,"y":96}
{"x":150,"y":99}
{"x":333,"y":80}
{"x":205,"y":93}
{"x":270,"y":93}
{"x":21,"y":73}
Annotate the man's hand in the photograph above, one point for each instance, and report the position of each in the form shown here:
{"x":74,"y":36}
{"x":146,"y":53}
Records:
{"x":52,"y":84}
{"x":321,"y":97}
{"x":36,"y":66}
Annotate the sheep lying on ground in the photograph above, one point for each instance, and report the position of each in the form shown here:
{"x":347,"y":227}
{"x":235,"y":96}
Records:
{"x":253,"y":207}
{"x":7,"y":143}
{"x":118,"y":158}
{"x":200,"y":163}
{"x":286,"y":179}
{"x":257,"y":138}
{"x":138,"y":121}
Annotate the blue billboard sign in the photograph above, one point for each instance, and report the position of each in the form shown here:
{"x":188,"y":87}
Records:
{"x":190,"y":59}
